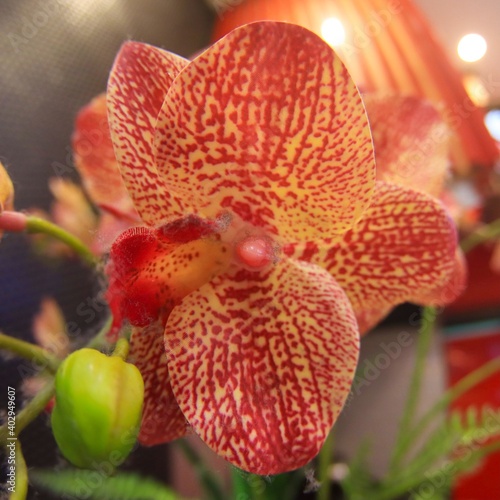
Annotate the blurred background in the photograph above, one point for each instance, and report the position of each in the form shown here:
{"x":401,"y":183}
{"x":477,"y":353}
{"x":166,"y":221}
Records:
{"x":56,"y":55}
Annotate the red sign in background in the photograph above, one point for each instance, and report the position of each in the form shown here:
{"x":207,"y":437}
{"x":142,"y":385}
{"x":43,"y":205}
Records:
{"x":467,"y":348}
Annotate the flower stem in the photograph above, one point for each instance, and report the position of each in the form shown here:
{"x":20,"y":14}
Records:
{"x":21,"y":488}
{"x":30,"y":411}
{"x":121,"y":349}
{"x":209,"y":482}
{"x":429,"y":315}
{"x":38,"y":225}
{"x":99,"y":340}
{"x":325,"y":460}
{"x":247,"y":486}
{"x":482,"y":235}
{"x":32,"y":352}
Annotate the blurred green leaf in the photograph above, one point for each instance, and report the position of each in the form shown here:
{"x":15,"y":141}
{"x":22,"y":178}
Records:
{"x":87,"y":484}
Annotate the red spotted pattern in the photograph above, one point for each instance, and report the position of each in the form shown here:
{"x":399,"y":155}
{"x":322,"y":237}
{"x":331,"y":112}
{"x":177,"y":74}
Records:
{"x":151,"y":270}
{"x":268,"y":125}
{"x":261,"y":364}
{"x":137,"y":86}
{"x":411,"y":141}
{"x":262,"y":139}
{"x":96,"y":162}
{"x":403,"y":249}
{"x":162,"y":419}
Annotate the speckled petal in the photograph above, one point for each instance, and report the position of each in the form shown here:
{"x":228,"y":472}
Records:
{"x":162,"y":419}
{"x":268,"y":125}
{"x":261,"y":365}
{"x":95,"y":159}
{"x":150,"y":270}
{"x":411,"y":141}
{"x":137,"y":86}
{"x":403,"y":249}
{"x":448,"y":291}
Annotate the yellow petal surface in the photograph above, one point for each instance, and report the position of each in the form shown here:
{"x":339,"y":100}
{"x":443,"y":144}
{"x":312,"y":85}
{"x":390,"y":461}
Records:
{"x":268,"y":125}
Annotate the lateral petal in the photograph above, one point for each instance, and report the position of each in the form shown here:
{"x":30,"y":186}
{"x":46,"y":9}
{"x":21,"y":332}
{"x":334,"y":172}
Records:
{"x":162,"y":419}
{"x":261,"y":365}
{"x":403,"y":249}
{"x":268,"y":124}
{"x":95,"y":159}
{"x":411,"y":141}
{"x":137,"y":85}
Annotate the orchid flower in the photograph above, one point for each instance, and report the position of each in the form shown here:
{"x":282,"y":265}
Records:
{"x":243,"y":164}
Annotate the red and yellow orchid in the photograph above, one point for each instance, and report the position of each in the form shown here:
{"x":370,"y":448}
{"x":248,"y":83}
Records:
{"x":252,"y":167}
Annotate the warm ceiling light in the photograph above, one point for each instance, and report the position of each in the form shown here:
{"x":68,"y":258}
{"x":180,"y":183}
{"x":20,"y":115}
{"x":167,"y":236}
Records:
{"x":471,"y":47}
{"x":477,"y":90}
{"x":333,"y":32}
{"x":492,"y":121}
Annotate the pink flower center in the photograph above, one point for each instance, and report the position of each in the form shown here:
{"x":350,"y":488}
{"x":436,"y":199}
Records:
{"x":256,"y":252}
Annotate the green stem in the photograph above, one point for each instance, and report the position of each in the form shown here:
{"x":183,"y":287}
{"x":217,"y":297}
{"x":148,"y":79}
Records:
{"x":207,"y":479}
{"x":461,"y":387}
{"x":37,"y":225}
{"x":482,"y":235}
{"x":29,"y":351}
{"x":429,"y":315}
{"x":121,"y":349}
{"x":30,"y":411}
{"x":99,"y":341}
{"x":248,"y":486}
{"x":325,"y":460}
{"x":21,"y":489}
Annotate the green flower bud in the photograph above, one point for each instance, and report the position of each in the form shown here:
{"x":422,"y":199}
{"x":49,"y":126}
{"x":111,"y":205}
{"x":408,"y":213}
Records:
{"x":97,"y":414}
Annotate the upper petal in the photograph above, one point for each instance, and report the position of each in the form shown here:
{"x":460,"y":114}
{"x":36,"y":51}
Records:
{"x":95,"y":159}
{"x":261,"y":365}
{"x":137,"y":86}
{"x":403,"y":249}
{"x":268,"y":124}
{"x":411,"y":141}
{"x":162,"y":419}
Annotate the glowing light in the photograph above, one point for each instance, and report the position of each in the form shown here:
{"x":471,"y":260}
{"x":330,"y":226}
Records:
{"x":472,"y":47}
{"x":333,"y":31}
{"x":492,"y":121}
{"x":477,"y":90}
